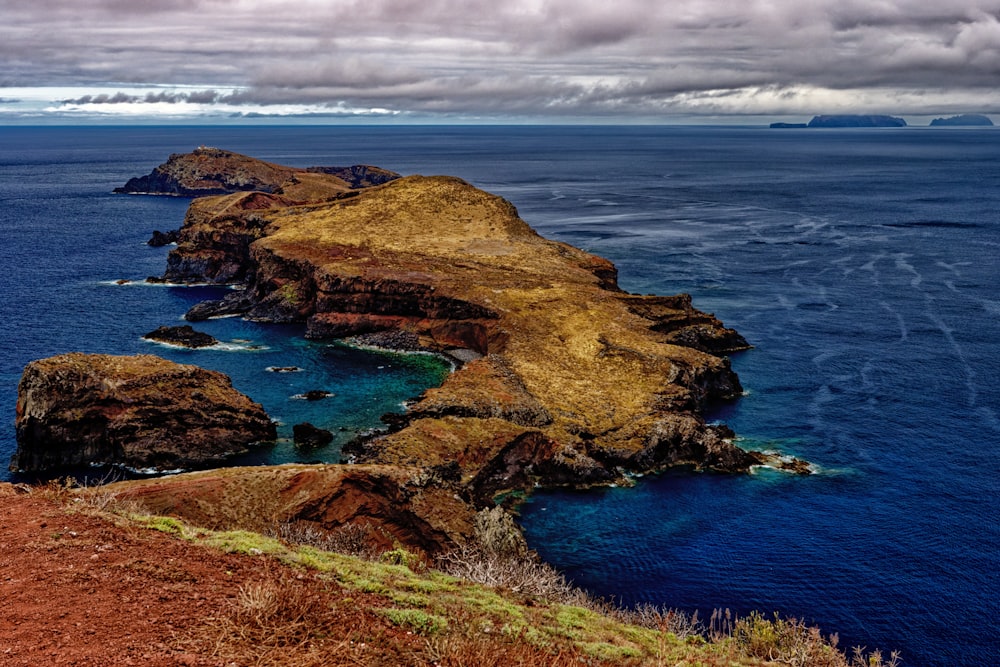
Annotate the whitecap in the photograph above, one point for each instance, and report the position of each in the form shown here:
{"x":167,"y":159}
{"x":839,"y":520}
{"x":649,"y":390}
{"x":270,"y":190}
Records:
{"x":237,"y":347}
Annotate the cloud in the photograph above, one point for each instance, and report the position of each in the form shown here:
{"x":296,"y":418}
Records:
{"x":529,"y":57}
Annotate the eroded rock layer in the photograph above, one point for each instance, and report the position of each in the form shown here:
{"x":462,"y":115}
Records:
{"x":141,"y":411}
{"x":400,"y":506}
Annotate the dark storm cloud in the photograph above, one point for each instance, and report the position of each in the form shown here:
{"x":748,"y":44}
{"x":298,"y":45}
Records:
{"x":522,"y":56}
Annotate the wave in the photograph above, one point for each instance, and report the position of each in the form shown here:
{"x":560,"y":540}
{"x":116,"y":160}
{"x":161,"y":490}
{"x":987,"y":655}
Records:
{"x":218,"y":347}
{"x":933,"y":224}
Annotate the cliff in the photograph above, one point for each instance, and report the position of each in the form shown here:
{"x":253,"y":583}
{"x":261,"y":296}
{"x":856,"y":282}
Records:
{"x":140,"y":411}
{"x":212,"y":171}
{"x":571,"y":380}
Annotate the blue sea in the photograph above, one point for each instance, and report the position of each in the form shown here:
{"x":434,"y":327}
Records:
{"x":861,"y":264}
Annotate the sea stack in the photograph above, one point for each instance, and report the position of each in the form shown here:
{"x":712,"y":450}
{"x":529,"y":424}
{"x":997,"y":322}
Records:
{"x":140,"y":411}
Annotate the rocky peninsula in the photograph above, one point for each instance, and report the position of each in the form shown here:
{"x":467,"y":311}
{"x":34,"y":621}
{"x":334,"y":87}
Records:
{"x":570,"y":380}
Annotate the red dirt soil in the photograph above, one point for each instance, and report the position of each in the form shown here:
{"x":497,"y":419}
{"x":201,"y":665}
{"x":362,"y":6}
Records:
{"x":76,"y":589}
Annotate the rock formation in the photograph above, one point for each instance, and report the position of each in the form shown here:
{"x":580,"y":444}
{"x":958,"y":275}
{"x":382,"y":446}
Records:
{"x":160,"y":239}
{"x":307,"y":436}
{"x":571,"y":379}
{"x":140,"y":411}
{"x":416,"y":508}
{"x":212,"y":171}
{"x":183,"y":335}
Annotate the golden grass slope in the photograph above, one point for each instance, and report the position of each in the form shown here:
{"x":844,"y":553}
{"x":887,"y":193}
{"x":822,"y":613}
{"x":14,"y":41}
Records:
{"x":433,"y":255}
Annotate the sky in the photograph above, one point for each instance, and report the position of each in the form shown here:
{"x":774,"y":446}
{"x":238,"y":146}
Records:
{"x":560,"y":61}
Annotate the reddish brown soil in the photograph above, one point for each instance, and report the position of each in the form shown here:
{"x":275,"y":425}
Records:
{"x":76,"y":589}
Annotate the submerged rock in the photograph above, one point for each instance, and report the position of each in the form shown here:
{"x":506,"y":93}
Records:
{"x":316,"y":394}
{"x":141,"y":411}
{"x":183,"y":335}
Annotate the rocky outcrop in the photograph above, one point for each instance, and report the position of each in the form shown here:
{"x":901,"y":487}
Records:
{"x":856,"y":120}
{"x":160,"y":239}
{"x":964,"y":120}
{"x":307,"y":436}
{"x":569,"y":380}
{"x":183,"y":335}
{"x":213,"y":171}
{"x":417,"y":508}
{"x":140,"y":411}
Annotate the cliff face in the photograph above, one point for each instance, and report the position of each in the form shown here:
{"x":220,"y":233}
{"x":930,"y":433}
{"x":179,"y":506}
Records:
{"x":574,"y":380}
{"x":212,"y":171}
{"x":140,"y":411}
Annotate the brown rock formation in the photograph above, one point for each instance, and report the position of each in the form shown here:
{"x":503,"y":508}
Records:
{"x":140,"y":411}
{"x":408,"y":506}
{"x":213,"y":171}
{"x":578,"y":380}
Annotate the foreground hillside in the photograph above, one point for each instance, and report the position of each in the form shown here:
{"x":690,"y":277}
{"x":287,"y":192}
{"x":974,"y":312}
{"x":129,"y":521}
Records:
{"x":86,"y":580}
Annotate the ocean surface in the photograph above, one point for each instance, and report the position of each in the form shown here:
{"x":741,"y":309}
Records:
{"x":861,"y":264}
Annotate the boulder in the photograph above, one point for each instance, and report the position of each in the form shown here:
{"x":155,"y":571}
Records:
{"x":308,"y":436}
{"x":140,"y":411}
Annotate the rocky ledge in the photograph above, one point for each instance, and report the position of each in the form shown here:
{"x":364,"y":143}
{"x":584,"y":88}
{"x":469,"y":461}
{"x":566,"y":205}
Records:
{"x":140,"y":411}
{"x":212,"y":171}
{"x":569,"y":380}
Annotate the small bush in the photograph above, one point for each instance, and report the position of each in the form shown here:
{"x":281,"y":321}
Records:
{"x":351,"y":539}
{"x":419,"y":621}
{"x":681,"y":624}
{"x":519,"y":575}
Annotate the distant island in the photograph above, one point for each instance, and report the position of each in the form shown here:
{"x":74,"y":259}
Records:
{"x":964,"y":120}
{"x":845,"y":120}
{"x":850,"y":120}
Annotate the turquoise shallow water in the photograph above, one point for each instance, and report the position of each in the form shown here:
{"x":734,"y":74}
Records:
{"x":860,"y":264}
